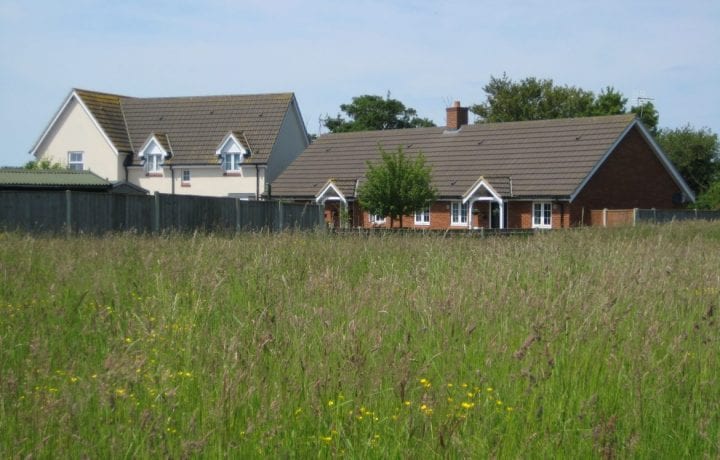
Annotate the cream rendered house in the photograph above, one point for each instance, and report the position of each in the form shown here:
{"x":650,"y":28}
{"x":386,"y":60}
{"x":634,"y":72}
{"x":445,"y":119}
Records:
{"x":208,"y":145}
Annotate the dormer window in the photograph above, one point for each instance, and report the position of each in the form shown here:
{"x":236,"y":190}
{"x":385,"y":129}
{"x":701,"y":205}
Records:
{"x":232,"y":153}
{"x":153,"y":155}
{"x":232,"y":161}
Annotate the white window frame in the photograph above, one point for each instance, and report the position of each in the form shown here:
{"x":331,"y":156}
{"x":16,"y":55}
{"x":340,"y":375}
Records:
{"x":186,"y":176}
{"x":458,"y":216}
{"x":377,"y":220}
{"x":73,"y":164}
{"x":422,"y":217}
{"x":154,"y":163}
{"x":545,"y":214}
{"x":232,"y":162}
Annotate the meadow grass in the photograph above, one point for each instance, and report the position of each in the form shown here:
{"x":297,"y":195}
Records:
{"x":586,"y":343}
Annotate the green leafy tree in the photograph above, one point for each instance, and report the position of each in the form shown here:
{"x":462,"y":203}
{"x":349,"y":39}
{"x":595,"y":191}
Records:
{"x":648,"y":114}
{"x":609,"y":102}
{"x":43,"y":164}
{"x":397,"y":186}
{"x":710,"y":198}
{"x":370,"y":113}
{"x":540,"y":99}
{"x":531,"y":99}
{"x":695,"y":153}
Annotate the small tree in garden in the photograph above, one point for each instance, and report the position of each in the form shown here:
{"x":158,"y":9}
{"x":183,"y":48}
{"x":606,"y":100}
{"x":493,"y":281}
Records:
{"x":397,"y":186}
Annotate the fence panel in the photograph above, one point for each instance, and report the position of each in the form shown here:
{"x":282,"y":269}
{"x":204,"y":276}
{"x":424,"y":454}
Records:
{"x":297,"y":215}
{"x":255,"y":215}
{"x":668,"y":215}
{"x":32,"y":211}
{"x":90,"y":212}
{"x":133,"y":213}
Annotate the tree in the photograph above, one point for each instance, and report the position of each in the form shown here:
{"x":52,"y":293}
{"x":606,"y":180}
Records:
{"x":609,"y":102}
{"x":648,"y":115}
{"x":540,"y":99}
{"x":695,"y":153}
{"x":369,"y":113}
{"x":397,"y":186}
{"x":710,"y":198}
{"x":43,"y":164}
{"x":531,"y":99}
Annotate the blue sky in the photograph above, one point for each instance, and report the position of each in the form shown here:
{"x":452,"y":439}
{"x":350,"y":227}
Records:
{"x":425,"y":53}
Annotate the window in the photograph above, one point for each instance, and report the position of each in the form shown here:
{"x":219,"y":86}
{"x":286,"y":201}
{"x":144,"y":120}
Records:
{"x":542,"y":215}
{"x":422,"y":217}
{"x":186,"y":177}
{"x":232,"y":161}
{"x":153,"y":163}
{"x":75,"y":161}
{"x":458,"y":213}
{"x":375,"y":219}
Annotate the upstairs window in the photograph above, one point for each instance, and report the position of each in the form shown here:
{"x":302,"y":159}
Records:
{"x":185,"y":182}
{"x":542,"y":215}
{"x":422,"y":217}
{"x":153,"y":156}
{"x":232,"y":154}
{"x":232,"y":161}
{"x":153,"y":163}
{"x":75,"y":161}
{"x":458,"y":213}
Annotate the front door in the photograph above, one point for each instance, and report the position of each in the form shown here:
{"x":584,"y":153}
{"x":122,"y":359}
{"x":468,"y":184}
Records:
{"x":494,"y":214}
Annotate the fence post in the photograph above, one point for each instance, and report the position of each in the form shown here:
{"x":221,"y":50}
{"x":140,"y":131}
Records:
{"x":280,"y":216}
{"x":156,"y":213}
{"x":68,"y":212}
{"x":635,"y":211}
{"x":237,"y":215}
{"x":654,"y":215}
{"x":604,"y":217}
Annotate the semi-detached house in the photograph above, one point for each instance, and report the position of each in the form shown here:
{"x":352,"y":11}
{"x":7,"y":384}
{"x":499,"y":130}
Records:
{"x":206,"y":145}
{"x":529,"y":174}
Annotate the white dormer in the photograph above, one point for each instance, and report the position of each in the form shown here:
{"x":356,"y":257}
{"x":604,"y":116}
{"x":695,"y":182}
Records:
{"x":153,"y":155}
{"x":232,"y":153}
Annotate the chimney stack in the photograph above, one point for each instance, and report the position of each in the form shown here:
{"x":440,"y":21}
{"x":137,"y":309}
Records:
{"x":456,"y":116}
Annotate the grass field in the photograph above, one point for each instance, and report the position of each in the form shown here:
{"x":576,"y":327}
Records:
{"x":579,"y":344}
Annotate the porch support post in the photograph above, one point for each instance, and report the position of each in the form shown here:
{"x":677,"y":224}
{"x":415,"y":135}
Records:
{"x":469,"y":214}
{"x":502,"y":220}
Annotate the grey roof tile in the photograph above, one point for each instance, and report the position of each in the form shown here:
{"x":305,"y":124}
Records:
{"x":195,"y":126}
{"x":547,"y":157}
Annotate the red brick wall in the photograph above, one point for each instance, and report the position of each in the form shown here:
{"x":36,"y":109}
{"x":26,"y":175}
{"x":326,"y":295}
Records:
{"x":631,"y":177}
{"x":520,"y":214}
{"x":439,"y":218}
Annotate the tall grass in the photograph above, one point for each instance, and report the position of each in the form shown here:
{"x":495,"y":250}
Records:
{"x":590,"y":343}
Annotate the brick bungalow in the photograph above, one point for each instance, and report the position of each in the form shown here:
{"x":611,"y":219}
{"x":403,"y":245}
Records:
{"x":529,"y":174}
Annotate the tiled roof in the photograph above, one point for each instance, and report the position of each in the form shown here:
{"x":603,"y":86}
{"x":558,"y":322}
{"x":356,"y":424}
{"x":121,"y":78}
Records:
{"x":528,"y":158}
{"x":107,"y":110}
{"x":194,"y":126}
{"x":50,"y":178}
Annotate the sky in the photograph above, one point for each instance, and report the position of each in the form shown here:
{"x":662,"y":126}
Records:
{"x":424,"y":53}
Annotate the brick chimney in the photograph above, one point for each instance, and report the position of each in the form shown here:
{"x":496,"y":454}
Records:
{"x":456,"y":116}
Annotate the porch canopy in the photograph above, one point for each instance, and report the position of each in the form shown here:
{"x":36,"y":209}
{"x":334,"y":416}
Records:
{"x":481,"y":190}
{"x":330,"y":192}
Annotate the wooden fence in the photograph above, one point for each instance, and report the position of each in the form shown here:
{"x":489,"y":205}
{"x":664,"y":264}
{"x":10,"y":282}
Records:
{"x":620,"y":217}
{"x":88,"y":212}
